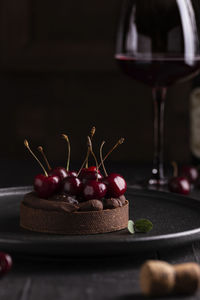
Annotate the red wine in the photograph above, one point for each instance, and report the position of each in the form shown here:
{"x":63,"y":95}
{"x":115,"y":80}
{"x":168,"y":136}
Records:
{"x":158,"y":71}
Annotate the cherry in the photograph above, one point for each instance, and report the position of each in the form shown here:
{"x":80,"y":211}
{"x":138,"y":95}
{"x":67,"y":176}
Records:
{"x":94,"y":190}
{"x":91,"y":169}
{"x":190,"y":172}
{"x":72,"y":186}
{"x":180,"y":185}
{"x":92,"y":176}
{"x":5,"y":263}
{"x":72,"y":174}
{"x":46,"y":186}
{"x":116,"y":185}
{"x":60,"y":172}
{"x":90,"y":173}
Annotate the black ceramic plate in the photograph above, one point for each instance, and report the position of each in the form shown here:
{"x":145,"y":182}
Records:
{"x":176,"y":221}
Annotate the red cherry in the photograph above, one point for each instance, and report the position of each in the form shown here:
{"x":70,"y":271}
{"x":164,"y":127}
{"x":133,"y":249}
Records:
{"x":179,"y":185}
{"x":88,"y":170}
{"x":72,"y":186}
{"x":93,"y":175}
{"x":94,"y":190}
{"x":116,"y":185}
{"x":91,"y":169}
{"x":60,"y":172}
{"x":89,"y":174}
{"x":190,"y":172}
{"x":45,"y":186}
{"x":72,"y":174}
{"x":5,"y":263}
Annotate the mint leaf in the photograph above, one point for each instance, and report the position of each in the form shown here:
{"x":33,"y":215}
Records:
{"x":131,"y":227}
{"x":143,"y":225}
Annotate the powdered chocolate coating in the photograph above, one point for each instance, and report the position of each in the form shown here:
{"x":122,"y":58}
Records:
{"x":91,"y":205}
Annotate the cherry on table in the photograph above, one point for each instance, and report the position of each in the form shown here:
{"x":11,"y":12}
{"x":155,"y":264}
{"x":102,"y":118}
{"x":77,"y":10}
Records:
{"x":116,"y":185}
{"x":46,"y":186}
{"x":5,"y":263}
{"x":94,"y":190}
{"x":190,"y":172}
{"x":180,"y":185}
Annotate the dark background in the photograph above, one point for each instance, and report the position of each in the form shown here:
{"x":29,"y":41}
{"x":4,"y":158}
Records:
{"x":58,"y":75}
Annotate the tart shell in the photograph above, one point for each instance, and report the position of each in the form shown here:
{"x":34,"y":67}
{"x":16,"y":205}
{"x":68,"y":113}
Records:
{"x":73,"y":223}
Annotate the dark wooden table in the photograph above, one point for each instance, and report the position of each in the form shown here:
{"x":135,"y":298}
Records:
{"x":103,"y":278}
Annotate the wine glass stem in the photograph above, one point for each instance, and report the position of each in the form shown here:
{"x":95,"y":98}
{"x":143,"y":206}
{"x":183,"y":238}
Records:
{"x":159,"y":94}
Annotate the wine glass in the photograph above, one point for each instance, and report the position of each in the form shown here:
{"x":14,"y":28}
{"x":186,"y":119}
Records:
{"x":158,"y":44}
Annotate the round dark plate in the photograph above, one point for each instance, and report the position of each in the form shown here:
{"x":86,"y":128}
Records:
{"x":176,"y":221}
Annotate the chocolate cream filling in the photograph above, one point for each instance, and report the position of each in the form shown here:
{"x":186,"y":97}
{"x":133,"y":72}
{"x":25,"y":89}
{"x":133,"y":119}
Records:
{"x":33,"y":201}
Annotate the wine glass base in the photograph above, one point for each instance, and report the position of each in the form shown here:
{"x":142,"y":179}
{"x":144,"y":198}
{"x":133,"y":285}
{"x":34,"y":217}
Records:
{"x":158,"y":182}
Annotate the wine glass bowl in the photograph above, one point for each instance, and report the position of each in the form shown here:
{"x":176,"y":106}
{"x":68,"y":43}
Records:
{"x":158,"y":44}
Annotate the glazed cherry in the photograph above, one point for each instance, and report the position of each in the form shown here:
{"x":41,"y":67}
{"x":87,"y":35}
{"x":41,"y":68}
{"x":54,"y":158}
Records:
{"x":93,"y":175}
{"x":94,"y":190}
{"x":89,"y":174}
{"x":190,"y":172}
{"x":180,"y":185}
{"x":91,"y":169}
{"x":5,"y":263}
{"x":71,"y":186}
{"x":72,"y":174}
{"x":62,"y":173}
{"x":84,"y":171}
{"x":116,"y":185}
{"x":46,"y":186}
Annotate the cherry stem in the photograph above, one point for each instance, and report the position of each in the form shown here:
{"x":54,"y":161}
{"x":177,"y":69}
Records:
{"x":92,"y":133}
{"x":83,"y":164}
{"x":175,"y":166}
{"x":101,"y":157}
{"x":65,"y":137}
{"x":40,"y":149}
{"x":26,"y":144}
{"x":91,"y":151}
{"x":121,"y":141}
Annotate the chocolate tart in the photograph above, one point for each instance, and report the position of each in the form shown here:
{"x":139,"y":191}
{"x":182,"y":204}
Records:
{"x":59,"y":217}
